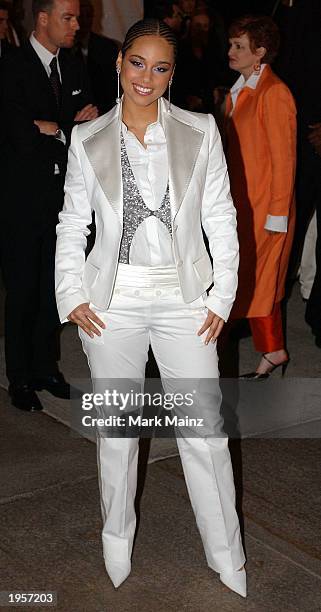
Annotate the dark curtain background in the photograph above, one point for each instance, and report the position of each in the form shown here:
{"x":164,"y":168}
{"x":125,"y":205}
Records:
{"x":229,"y":8}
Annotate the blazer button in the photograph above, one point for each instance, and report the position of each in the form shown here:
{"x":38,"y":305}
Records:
{"x":179,"y":263}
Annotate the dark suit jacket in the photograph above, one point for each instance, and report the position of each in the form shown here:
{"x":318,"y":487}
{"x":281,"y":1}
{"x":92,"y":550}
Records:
{"x":101,"y":67}
{"x":299,"y":60}
{"x":5,"y":47}
{"x":29,"y":157}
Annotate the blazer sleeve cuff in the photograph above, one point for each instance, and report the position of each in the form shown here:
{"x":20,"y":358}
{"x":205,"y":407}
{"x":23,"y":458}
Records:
{"x":218,"y":306}
{"x":67,"y":305}
{"x":276,"y":223}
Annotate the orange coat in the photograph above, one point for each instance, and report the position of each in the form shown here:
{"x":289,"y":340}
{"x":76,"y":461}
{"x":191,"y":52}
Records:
{"x":261,"y":155}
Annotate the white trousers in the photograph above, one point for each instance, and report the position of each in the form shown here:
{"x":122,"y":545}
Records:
{"x":148,"y":308}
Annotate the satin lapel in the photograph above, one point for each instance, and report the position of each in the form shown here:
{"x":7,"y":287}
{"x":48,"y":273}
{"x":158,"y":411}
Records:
{"x":183,"y":144}
{"x":103,"y":152}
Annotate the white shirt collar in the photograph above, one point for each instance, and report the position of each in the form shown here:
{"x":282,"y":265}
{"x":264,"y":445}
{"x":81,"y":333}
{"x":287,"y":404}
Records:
{"x":251,"y":82}
{"x":154,"y":132}
{"x":43,"y":53}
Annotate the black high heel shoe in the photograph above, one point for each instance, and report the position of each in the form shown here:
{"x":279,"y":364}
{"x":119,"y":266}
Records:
{"x":258,"y":376}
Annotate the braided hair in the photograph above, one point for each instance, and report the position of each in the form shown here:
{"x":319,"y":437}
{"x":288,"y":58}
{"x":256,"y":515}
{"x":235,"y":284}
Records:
{"x":149,"y":27}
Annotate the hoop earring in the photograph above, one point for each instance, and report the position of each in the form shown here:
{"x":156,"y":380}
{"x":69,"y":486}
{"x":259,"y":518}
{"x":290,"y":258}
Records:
{"x":257,"y":68}
{"x":118,"y":84}
{"x":169,"y":110}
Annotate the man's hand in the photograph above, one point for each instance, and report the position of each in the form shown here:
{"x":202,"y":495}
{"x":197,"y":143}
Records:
{"x":214,"y":324}
{"x":87,"y":113}
{"x":315,"y":137}
{"x":47,"y":127}
{"x":84,"y":317}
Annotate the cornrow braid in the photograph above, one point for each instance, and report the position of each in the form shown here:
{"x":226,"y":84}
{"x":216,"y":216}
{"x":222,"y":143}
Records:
{"x":149,"y":27}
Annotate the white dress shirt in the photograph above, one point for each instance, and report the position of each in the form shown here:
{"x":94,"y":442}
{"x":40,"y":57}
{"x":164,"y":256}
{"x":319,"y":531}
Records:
{"x":251,"y":82}
{"x":274,"y":223}
{"x":46,"y":57}
{"x":152,"y":244}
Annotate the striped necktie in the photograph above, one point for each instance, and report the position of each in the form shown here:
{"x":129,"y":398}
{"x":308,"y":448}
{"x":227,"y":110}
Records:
{"x":55,"y":80}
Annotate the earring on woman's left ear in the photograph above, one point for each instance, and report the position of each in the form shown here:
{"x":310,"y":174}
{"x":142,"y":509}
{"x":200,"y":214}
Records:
{"x":169,"y":110}
{"x":257,"y":68}
{"x":118,"y":84}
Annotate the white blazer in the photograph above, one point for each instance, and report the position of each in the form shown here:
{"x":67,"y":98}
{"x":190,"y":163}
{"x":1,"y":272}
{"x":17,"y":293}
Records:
{"x":199,"y":196}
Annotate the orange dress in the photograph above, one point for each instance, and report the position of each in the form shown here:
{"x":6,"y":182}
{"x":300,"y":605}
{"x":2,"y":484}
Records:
{"x":261,"y":156}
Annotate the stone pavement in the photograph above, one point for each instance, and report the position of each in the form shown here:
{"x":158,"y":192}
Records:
{"x":50,"y":525}
{"x":50,"y":516}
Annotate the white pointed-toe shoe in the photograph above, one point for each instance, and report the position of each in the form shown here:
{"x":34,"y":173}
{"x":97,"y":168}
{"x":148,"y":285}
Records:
{"x":117,"y":571}
{"x":235,"y":580}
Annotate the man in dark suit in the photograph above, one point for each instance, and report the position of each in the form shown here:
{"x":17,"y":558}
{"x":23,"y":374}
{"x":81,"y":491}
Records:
{"x":44,"y":91}
{"x":99,"y":53}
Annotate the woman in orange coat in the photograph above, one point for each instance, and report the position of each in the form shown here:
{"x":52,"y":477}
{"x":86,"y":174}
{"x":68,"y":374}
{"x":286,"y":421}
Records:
{"x":261,"y":154}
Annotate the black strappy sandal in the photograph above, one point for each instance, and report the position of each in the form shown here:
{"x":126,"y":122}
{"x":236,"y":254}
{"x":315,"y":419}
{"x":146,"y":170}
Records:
{"x":258,"y":376}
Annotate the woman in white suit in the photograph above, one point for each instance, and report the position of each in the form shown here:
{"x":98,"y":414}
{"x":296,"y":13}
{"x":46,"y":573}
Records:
{"x":154,"y":175}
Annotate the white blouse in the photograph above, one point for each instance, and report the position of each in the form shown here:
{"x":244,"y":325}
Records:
{"x":152,"y":244}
